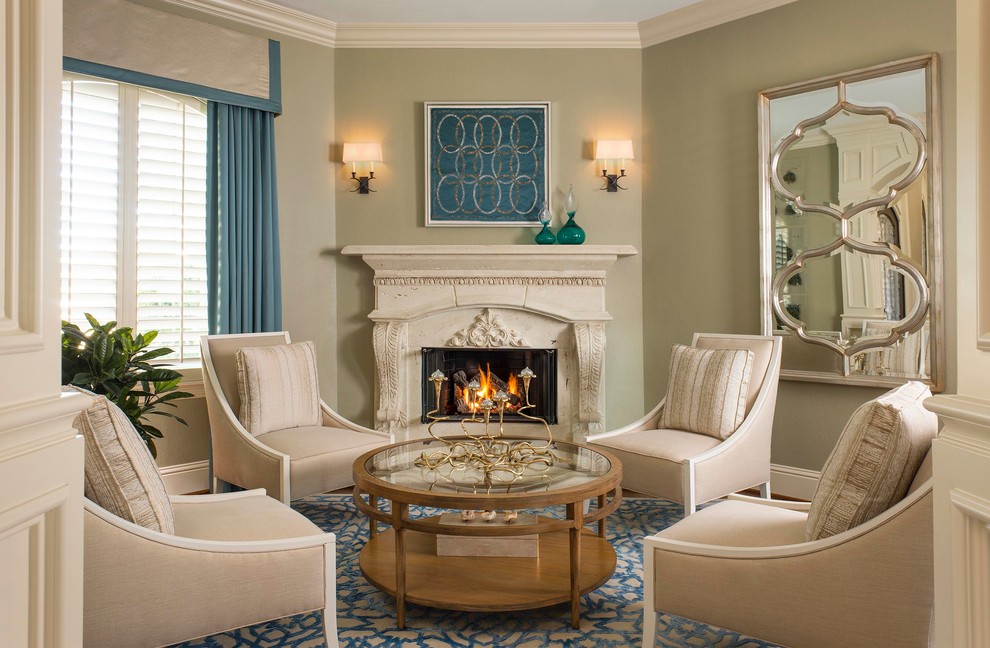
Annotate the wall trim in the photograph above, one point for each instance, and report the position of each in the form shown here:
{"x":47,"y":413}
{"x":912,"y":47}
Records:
{"x":700,"y":16}
{"x":270,"y":16}
{"x":182,"y":479}
{"x":490,"y":35}
{"x":298,"y":24}
{"x":799,"y":483}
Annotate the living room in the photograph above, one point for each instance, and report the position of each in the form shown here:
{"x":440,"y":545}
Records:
{"x":678,"y":81}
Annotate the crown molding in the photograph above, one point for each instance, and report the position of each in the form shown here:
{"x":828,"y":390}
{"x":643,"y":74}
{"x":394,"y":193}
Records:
{"x":700,"y":16}
{"x":291,"y":22}
{"x":489,"y":35}
{"x":269,"y":16}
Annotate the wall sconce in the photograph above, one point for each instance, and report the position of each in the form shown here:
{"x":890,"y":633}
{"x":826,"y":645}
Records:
{"x":608,"y":150}
{"x":355,"y":153}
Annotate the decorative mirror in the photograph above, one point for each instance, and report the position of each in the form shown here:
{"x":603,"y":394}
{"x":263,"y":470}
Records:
{"x":850,"y":202}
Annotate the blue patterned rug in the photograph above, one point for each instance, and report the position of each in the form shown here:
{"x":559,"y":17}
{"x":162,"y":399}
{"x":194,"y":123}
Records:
{"x":610,"y":616}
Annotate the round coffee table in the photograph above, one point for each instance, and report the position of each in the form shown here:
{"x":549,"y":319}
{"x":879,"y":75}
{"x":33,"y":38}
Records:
{"x":403,"y":560}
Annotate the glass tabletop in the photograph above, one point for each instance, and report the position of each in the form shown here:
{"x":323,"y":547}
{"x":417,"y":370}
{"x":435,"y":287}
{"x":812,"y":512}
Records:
{"x":503,"y":465}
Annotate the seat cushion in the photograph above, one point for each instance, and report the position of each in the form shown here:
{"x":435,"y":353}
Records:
{"x":278,"y":387}
{"x":321,"y":458}
{"x":740,"y":524}
{"x":651,"y":459}
{"x":874,"y":462}
{"x":707,"y":390}
{"x":257,"y":517}
{"x":121,"y":475}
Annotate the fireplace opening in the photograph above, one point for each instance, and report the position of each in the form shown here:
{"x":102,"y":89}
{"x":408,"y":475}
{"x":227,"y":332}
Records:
{"x":494,"y":370}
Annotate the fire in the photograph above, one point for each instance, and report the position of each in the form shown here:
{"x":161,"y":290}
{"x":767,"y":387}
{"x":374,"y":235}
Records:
{"x":514,"y":385}
{"x":488,"y":388}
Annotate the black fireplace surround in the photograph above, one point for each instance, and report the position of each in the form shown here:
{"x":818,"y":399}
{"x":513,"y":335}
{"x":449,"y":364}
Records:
{"x":494,"y":369}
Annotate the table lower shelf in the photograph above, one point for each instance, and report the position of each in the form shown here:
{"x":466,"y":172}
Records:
{"x":490,"y":584}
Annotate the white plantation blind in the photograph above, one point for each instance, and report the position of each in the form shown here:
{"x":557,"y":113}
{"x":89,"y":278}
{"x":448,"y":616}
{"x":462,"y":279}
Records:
{"x":134,"y":210}
{"x":90,"y":199}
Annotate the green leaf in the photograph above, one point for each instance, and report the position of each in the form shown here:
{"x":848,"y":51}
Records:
{"x":151,"y":355}
{"x":92,"y":321}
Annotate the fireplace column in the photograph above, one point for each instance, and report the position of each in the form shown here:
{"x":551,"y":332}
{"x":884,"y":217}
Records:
{"x":590,"y":337}
{"x":391,"y":342}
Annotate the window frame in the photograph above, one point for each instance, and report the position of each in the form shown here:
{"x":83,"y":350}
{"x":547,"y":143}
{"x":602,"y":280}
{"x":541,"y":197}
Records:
{"x":126,"y":297}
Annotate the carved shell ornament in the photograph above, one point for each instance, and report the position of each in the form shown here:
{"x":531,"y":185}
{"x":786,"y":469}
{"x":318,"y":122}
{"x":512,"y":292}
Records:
{"x":487,"y":330}
{"x":845,"y":239}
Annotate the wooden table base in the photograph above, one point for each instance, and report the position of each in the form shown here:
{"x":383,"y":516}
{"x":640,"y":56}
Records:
{"x":487,"y":584}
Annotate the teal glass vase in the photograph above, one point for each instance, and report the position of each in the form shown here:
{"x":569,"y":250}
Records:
{"x":571,"y":233}
{"x":546,"y":237}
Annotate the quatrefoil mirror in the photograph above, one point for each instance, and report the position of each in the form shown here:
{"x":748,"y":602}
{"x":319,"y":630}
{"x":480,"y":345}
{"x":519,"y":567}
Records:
{"x":850,"y":202}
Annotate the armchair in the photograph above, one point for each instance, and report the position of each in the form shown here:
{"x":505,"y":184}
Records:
{"x":235,"y":559}
{"x":744,"y":564}
{"x":288,"y":463}
{"x":158,"y":570}
{"x":682,"y":466}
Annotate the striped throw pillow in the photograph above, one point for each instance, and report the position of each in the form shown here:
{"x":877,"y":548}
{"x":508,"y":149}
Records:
{"x":706,"y":390}
{"x":120,"y":474}
{"x":873,"y":464}
{"x":278,"y":387}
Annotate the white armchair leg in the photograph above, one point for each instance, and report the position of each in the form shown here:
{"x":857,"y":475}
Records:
{"x":649,"y":613}
{"x":330,"y":611}
{"x":765,"y":490}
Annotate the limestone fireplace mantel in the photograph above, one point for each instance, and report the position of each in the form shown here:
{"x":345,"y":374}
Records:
{"x":489,"y":296}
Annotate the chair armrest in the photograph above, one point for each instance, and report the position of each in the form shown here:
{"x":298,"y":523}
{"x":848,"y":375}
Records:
{"x":216,"y":497}
{"x":238,"y":457}
{"x":211,"y":546}
{"x":333,"y":419}
{"x":803,"y":507}
{"x":648,"y":422}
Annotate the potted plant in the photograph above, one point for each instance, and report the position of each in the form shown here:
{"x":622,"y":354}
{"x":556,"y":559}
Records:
{"x":116,"y":363}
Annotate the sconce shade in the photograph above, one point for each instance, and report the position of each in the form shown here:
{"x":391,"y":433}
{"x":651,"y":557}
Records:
{"x":614,"y":150}
{"x":362,"y":152}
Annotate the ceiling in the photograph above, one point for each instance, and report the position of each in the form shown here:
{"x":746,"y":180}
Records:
{"x":485,"y":11}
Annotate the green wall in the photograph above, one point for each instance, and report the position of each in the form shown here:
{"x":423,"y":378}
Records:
{"x":700,"y":173}
{"x":595,"y":94}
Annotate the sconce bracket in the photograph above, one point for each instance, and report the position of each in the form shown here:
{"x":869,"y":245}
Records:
{"x":612,"y":181}
{"x":364,"y":185}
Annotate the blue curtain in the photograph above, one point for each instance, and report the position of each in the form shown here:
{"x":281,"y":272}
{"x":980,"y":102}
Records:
{"x":242,"y":255}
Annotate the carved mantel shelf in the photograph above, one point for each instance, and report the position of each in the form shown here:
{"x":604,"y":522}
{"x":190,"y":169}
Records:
{"x":415,"y":280}
{"x":489,"y":296}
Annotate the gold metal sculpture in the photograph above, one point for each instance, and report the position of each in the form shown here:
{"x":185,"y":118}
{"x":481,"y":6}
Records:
{"x":492,"y":456}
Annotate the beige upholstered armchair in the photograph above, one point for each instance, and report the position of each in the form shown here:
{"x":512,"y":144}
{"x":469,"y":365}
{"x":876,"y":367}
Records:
{"x":744,"y":565}
{"x":235,"y":559}
{"x":682,"y":466}
{"x":288,"y":463}
{"x":852,"y":568}
{"x":159,"y":569}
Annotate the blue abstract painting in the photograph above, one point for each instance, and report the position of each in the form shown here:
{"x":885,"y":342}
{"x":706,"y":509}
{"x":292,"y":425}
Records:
{"x":486,"y":164}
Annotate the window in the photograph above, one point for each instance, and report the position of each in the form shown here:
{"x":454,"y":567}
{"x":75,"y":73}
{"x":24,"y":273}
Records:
{"x":134,"y":210}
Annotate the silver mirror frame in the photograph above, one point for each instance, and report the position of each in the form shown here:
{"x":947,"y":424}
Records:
{"x":930,"y":298}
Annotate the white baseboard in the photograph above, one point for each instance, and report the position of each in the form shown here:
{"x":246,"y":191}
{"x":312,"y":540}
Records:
{"x":182,"y":479}
{"x":789,"y":481}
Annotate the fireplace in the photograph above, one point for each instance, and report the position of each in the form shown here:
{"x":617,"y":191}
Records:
{"x":491,"y":370}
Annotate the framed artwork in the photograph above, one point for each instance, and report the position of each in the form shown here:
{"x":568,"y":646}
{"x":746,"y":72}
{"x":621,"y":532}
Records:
{"x":487,"y":163}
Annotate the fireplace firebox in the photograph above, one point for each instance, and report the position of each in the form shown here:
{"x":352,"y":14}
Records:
{"x":494,"y":370}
